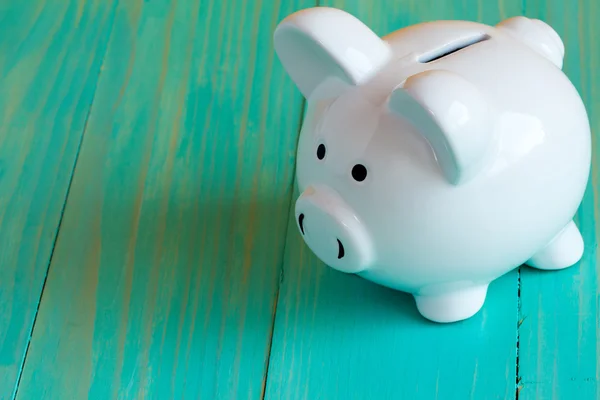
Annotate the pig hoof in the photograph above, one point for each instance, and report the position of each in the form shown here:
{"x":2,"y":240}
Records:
{"x":452,"y":306}
{"x":565,"y":250}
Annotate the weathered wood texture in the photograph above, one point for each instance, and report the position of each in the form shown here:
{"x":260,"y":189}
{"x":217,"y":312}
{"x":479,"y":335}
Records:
{"x":178,"y":272}
{"x":559,"y":346}
{"x":50,"y":56}
{"x":166,"y":268}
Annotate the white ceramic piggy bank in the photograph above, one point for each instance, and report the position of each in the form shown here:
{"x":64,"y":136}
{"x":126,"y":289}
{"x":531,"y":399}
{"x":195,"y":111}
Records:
{"x":437,"y":158}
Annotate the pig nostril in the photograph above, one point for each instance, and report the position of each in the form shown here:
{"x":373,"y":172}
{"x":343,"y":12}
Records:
{"x":340,"y":249}
{"x":301,"y":222}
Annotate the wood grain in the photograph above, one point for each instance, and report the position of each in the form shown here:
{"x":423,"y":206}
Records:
{"x":50,"y":57}
{"x":339,"y":337}
{"x":559,"y":342}
{"x":165,"y":273}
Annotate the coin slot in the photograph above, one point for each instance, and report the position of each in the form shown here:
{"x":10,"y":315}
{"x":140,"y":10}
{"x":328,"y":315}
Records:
{"x":453,"y":47}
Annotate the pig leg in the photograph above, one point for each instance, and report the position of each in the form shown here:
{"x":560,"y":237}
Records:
{"x":563,"y":251}
{"x":452,"y":306}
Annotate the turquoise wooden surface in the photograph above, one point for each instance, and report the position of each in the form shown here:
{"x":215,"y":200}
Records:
{"x":50,"y":56}
{"x":164,"y":275}
{"x":146,"y":147}
{"x":559,"y":340}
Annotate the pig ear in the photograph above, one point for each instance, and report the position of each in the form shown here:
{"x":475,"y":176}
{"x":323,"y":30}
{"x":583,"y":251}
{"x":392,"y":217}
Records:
{"x":538,"y":35}
{"x":322,"y":45}
{"x":452,"y":115}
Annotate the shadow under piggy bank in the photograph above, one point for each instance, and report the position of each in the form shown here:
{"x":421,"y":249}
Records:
{"x":329,"y":299}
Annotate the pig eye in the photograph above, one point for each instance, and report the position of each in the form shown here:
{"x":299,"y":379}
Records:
{"x":321,"y":151}
{"x":359,"y":172}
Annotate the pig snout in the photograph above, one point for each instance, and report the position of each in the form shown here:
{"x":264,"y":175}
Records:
{"x":333,"y":231}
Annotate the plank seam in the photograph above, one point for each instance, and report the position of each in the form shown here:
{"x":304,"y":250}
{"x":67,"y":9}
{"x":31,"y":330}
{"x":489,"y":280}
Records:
{"x":520,"y":319}
{"x":518,"y":385}
{"x":282,"y":265}
{"x":64,"y":206}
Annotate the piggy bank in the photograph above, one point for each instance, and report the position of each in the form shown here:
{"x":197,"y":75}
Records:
{"x":437,"y":158}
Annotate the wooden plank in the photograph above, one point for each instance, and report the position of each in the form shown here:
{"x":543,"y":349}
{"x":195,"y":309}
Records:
{"x":559,"y":345}
{"x":340,"y":337}
{"x":50,"y":57}
{"x":165,"y":273}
